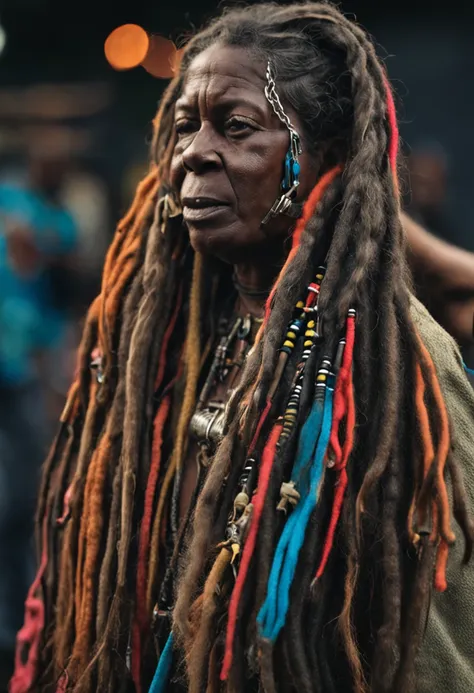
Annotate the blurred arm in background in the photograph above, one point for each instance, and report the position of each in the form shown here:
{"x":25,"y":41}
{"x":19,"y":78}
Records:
{"x":444,"y":278}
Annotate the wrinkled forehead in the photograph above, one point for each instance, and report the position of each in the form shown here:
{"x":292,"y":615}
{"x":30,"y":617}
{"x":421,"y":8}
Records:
{"x":224,"y":70}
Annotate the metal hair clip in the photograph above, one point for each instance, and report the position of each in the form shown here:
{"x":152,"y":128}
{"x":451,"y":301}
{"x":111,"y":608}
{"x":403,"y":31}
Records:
{"x":291,"y":180}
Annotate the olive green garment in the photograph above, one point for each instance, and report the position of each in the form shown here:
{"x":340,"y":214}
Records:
{"x":446,"y":661}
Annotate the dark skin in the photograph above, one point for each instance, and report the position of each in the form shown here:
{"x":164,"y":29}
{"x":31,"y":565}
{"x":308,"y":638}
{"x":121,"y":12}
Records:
{"x":231,"y":148}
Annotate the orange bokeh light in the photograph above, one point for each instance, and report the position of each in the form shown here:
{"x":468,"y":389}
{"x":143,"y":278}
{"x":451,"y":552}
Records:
{"x":127,"y":46}
{"x":177,"y":60}
{"x":160,"y":58}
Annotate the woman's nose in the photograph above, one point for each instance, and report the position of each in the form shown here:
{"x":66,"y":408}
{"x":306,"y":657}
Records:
{"x":201,"y":154}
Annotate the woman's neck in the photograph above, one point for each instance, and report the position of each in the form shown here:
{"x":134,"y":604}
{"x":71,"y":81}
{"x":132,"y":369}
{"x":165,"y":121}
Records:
{"x":253,"y":283}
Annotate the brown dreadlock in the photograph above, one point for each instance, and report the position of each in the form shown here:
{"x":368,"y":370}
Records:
{"x":358,"y":626}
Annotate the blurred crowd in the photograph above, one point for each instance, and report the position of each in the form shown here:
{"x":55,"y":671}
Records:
{"x":56,"y":219}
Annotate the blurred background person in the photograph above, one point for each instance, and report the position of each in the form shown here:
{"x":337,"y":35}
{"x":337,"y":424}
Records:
{"x":443,"y":272}
{"x":428,"y":188}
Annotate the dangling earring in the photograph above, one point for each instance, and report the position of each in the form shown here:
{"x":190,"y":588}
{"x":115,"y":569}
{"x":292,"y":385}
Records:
{"x":169,"y":207}
{"x":291,"y":179}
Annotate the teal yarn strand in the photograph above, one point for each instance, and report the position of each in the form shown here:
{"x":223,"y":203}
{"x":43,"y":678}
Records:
{"x":163,"y":670}
{"x":308,"y":440}
{"x":312,"y":448}
{"x":303,"y":513}
{"x":469,"y":371}
{"x":307,"y":444}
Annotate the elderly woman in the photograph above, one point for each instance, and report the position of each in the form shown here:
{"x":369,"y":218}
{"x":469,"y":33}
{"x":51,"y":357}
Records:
{"x":249,"y":488}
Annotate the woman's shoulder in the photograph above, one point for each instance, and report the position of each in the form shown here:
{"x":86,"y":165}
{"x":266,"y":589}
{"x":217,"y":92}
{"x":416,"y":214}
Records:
{"x":439,"y":343}
{"x":448,"y":361}
{"x":445,"y":661}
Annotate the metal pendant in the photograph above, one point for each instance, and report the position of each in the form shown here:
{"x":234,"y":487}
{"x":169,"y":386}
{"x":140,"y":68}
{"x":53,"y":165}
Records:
{"x":207,"y":424}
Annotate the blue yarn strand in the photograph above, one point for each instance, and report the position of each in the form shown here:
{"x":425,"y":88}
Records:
{"x":307,"y":443}
{"x":268,"y":612}
{"x":467,"y":369}
{"x":163,"y":670}
{"x":308,"y":439}
{"x":302,"y":518}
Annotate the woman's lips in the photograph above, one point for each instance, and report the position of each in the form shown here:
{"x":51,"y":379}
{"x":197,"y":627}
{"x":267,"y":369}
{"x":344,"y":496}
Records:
{"x":201,"y":208}
{"x":201,"y":213}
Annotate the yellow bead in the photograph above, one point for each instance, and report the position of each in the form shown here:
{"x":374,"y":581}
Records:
{"x":308,"y":343}
{"x":289,"y":344}
{"x":321,"y":377}
{"x":291,"y":335}
{"x":310,"y":333}
{"x":300,"y":304}
{"x":311,"y":324}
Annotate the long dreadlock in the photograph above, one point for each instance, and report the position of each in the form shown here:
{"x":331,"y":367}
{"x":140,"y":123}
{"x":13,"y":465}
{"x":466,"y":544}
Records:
{"x":382,"y":516}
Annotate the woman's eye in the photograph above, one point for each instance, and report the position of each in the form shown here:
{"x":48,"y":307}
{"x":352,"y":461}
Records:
{"x":236,"y":126}
{"x":185,"y":127}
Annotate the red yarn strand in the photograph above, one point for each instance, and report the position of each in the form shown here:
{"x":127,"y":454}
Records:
{"x":29,"y":636}
{"x":141,"y":617}
{"x":340,"y":400}
{"x":394,"y":133}
{"x":341,"y":483}
{"x":258,"y":430}
{"x":268,"y":458}
{"x":166,"y":339}
{"x":345,"y":406}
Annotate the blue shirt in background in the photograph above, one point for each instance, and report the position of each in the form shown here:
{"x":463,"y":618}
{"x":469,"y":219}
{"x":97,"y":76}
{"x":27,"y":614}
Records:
{"x":28,"y":319}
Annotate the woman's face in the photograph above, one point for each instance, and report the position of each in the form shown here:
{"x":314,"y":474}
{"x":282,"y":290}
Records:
{"x":228,"y":161}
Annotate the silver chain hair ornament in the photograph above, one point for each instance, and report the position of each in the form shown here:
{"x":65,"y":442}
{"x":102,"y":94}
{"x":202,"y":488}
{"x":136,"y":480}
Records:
{"x":290,"y":183}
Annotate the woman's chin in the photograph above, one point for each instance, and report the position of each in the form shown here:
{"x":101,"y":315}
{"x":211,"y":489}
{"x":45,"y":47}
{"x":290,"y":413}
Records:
{"x":227,"y":243}
{"x":234,"y":243}
{"x":214,"y":245}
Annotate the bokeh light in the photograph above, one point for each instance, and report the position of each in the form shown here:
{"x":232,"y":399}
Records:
{"x":127,"y":46}
{"x":177,"y":60}
{"x":160,"y":58}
